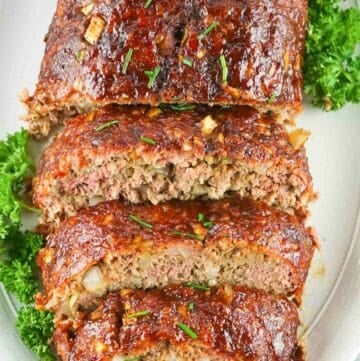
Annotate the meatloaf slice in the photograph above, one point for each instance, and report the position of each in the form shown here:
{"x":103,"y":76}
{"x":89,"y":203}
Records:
{"x":226,"y":323}
{"x":152,"y":154}
{"x":115,"y":245}
{"x":103,"y":52}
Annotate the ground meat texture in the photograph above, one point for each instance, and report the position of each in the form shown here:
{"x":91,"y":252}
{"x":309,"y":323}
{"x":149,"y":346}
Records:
{"x":196,"y":153}
{"x":106,"y":248}
{"x":261,"y":44}
{"x":230,"y":323}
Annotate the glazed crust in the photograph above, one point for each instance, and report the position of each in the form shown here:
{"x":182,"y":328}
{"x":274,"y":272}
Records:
{"x":87,"y":238}
{"x":240,"y":133}
{"x":241,"y":136}
{"x":262,"y":44}
{"x":231,"y":324}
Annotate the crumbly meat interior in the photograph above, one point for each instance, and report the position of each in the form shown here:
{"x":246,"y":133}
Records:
{"x":155,"y":179}
{"x":212,"y":266}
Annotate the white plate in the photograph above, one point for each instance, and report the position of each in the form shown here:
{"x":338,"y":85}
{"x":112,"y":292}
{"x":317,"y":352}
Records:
{"x":331,"y":310}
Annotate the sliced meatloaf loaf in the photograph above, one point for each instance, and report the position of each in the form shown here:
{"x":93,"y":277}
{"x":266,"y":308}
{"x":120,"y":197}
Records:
{"x":182,"y":324}
{"x":153,"y":154}
{"x":115,"y":245}
{"x":198,"y":51}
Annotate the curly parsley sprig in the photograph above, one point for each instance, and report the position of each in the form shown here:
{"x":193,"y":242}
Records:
{"x":332,"y":67}
{"x":18,"y":249}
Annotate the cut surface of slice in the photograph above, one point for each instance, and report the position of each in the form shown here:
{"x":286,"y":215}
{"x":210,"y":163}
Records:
{"x":115,"y":245}
{"x":198,"y":51}
{"x":153,"y":154}
{"x":178,"y":323}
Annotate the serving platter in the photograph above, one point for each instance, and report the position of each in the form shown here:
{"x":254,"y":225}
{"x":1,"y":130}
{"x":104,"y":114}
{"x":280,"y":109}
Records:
{"x":331,"y":307}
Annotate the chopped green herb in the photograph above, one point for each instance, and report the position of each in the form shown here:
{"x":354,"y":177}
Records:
{"x":148,"y":140}
{"x":208,"y":224}
{"x":191,"y":306}
{"x":147,"y":3}
{"x":187,"y":330}
{"x":152,"y":74}
{"x":107,"y":125}
{"x":190,"y":235}
{"x":138,"y":314}
{"x":180,"y":107}
{"x":80,"y":55}
{"x":205,"y":223}
{"x":210,"y":28}
{"x":272,"y":98}
{"x":188,"y":62}
{"x":225,"y":159}
{"x":201,"y":217}
{"x":196,"y":286}
{"x":127,"y":60}
{"x":223,"y":68}
{"x":140,"y":221}
{"x":332,"y":61}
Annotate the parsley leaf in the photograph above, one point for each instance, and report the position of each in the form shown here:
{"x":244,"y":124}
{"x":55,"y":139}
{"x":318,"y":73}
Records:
{"x":332,"y":68}
{"x":35,"y":328}
{"x":18,"y":249}
{"x":152,"y":75}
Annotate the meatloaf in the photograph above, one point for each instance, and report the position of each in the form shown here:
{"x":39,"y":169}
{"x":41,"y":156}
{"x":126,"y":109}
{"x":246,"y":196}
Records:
{"x":157,"y":154}
{"x":115,"y":245}
{"x":198,"y":51}
{"x":183,"y":324}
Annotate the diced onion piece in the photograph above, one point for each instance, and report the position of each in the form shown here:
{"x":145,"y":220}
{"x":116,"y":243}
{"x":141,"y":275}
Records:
{"x":48,"y":255}
{"x":86,"y":10}
{"x":100,"y":347}
{"x":212,"y":271}
{"x":93,"y":280}
{"x":154,"y":112}
{"x":298,"y":137}
{"x":228,"y":293}
{"x":200,"y":230}
{"x":94,"y":29}
{"x":72,"y":301}
{"x":208,"y":124}
{"x":95,"y":200}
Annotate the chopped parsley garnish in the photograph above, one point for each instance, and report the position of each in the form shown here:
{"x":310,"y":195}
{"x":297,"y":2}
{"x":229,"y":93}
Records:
{"x":192,"y":334}
{"x":127,"y":60}
{"x":191,"y":306}
{"x":208,"y":224}
{"x":80,"y":55}
{"x":180,"y":107}
{"x":201,"y":217}
{"x":188,"y":62}
{"x":205,"y":223}
{"x":184,"y":234}
{"x":140,"y":221}
{"x":152,"y":75}
{"x":107,"y":125}
{"x":332,"y":62}
{"x":138,"y":314}
{"x":196,"y":286}
{"x":147,"y":3}
{"x":210,"y":28}
{"x":272,"y":98}
{"x":147,"y":140}
{"x":224,"y":69}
